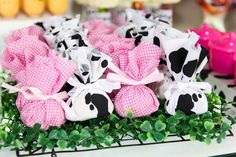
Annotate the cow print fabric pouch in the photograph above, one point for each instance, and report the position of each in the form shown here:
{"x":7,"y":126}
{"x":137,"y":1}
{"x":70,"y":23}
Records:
{"x":88,"y":97}
{"x":64,"y":35}
{"x":185,"y":61}
{"x":87,"y":89}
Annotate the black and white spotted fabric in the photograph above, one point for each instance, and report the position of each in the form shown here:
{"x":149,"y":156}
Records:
{"x":184,"y":61}
{"x":148,"y":28}
{"x":87,"y":89}
{"x":140,"y":27}
{"x":88,"y":96}
{"x":64,"y":35}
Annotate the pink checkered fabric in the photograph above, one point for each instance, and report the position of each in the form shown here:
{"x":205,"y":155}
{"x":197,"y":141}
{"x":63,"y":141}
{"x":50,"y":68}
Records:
{"x":47,"y":113}
{"x":99,"y":27}
{"x":137,"y":64}
{"x":48,"y":74}
{"x":103,"y":39}
{"x":111,"y":43}
{"x":23,"y":51}
{"x":27,"y":31}
{"x":33,"y":64}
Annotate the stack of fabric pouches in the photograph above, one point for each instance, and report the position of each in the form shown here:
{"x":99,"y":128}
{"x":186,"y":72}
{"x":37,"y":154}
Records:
{"x":104,"y":67}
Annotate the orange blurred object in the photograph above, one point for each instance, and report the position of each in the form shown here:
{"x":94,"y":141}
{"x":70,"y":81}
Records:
{"x":34,"y":7}
{"x":57,"y":7}
{"x":137,"y":5}
{"x":215,"y":6}
{"x":9,"y":8}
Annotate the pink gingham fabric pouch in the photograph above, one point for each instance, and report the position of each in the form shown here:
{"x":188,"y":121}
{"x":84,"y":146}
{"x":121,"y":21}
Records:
{"x":101,"y":36}
{"x":48,"y":74}
{"x":21,"y":51}
{"x":40,"y":75}
{"x":134,"y":71}
{"x":99,"y":27}
{"x":24,"y":32}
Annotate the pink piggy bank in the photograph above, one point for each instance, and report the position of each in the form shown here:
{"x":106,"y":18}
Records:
{"x":222,"y":54}
{"x":206,"y":34}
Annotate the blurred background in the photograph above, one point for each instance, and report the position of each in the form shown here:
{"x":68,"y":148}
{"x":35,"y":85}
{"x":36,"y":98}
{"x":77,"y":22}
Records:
{"x":183,"y":13}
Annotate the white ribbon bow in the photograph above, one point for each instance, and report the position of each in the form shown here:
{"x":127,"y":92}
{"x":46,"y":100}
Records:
{"x":101,"y":84}
{"x":184,"y":86}
{"x":36,"y":94}
{"x":123,"y":78}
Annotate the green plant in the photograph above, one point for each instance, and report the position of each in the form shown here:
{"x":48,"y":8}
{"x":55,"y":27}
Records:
{"x":106,"y":131}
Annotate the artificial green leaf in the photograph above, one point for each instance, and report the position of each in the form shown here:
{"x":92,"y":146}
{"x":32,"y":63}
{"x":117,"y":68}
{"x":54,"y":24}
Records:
{"x":223,"y":135}
{"x":149,"y":135}
{"x":106,"y":127}
{"x":146,"y":126}
{"x":158,"y":136}
{"x":86,"y":143}
{"x":43,"y":140}
{"x":192,"y":137}
{"x":53,"y":134}
{"x":62,"y":144}
{"x":208,"y":139}
{"x":71,"y":145}
{"x":113,"y":118}
{"x":172,"y":129}
{"x":193,"y":123}
{"x":62,"y":135}
{"x":129,"y":114}
{"x":180,"y":115}
{"x":74,"y":135}
{"x":232,"y":120}
{"x":29,"y":138}
{"x":172,"y":120}
{"x":37,"y":127}
{"x":85,"y":133}
{"x":17,"y":143}
{"x":160,"y":126}
{"x":219,"y":139}
{"x":50,"y":145}
{"x":217,"y":119}
{"x":225,"y":127}
{"x":34,"y":145}
{"x":143,"y":137}
{"x":207,"y":115}
{"x":99,"y":140}
{"x":209,"y":125}
{"x":3,"y":135}
{"x":218,"y":101}
{"x":100,"y":133}
{"x":123,"y":122}
{"x":109,"y":140}
{"x":161,"y":118}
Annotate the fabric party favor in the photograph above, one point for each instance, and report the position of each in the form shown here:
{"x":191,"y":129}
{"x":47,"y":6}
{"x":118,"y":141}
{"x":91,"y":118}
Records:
{"x":88,"y":97}
{"x":141,"y":27}
{"x":135,"y":70}
{"x":185,"y":61}
{"x":40,"y":75}
{"x":46,"y":106}
{"x":64,"y":34}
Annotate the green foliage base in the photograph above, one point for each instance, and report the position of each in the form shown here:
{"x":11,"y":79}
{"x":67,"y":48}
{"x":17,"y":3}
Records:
{"x":106,"y":131}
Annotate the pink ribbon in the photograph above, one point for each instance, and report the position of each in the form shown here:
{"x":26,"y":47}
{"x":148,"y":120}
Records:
{"x":120,"y":76}
{"x":36,"y":94}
